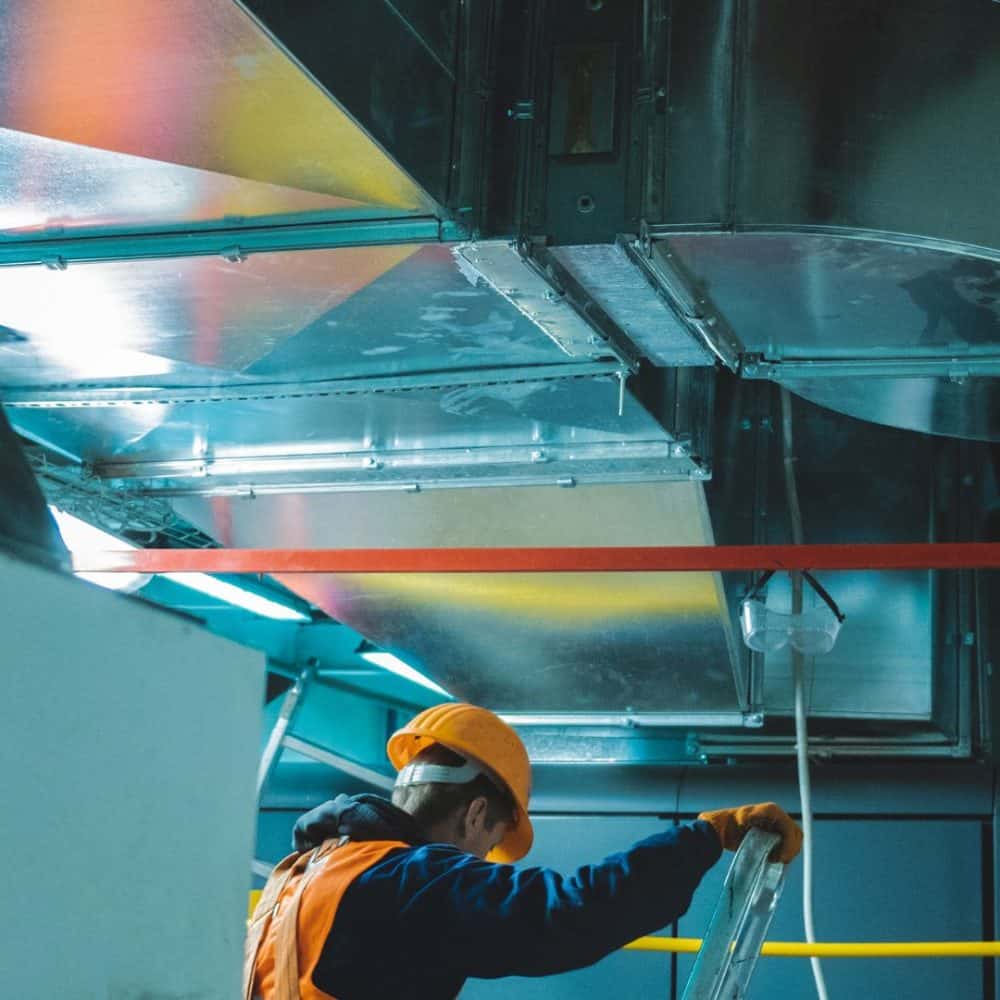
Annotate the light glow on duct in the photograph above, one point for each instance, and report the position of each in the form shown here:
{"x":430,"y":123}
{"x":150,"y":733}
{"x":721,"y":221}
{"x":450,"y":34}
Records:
{"x":80,"y":536}
{"x":387,"y":661}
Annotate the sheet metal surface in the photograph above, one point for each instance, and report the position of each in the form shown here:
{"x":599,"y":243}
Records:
{"x":310,"y":314}
{"x":872,"y":117}
{"x":804,"y":296}
{"x":398,"y":68}
{"x":953,"y":405}
{"x":183,"y":82}
{"x":882,"y":664}
{"x":541,"y":430}
{"x":544,"y":643}
{"x":861,"y":302}
{"x":47,"y":185}
{"x":804,"y":113}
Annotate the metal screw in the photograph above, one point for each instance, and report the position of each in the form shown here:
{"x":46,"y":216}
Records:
{"x":522,"y":111}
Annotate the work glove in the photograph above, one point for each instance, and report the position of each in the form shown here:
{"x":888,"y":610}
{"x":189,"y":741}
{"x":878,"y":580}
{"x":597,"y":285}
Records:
{"x":732,"y":825}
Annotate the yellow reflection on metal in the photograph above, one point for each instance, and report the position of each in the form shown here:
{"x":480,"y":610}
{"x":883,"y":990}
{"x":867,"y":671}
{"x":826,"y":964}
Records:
{"x":843,"y":949}
{"x":285,"y":129}
{"x":192,"y":83}
{"x":569,"y":596}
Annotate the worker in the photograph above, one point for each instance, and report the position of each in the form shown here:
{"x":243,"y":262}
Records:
{"x":409,"y":898}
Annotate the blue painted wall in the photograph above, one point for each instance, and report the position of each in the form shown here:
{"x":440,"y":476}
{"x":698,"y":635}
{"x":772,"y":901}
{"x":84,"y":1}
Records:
{"x":921,"y":869}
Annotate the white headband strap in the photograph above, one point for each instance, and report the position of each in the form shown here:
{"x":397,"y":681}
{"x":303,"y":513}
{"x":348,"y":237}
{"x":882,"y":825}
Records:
{"x":437,"y":774}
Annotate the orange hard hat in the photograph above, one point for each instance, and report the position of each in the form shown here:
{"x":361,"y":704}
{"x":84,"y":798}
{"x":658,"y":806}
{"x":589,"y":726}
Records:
{"x":478,"y":733}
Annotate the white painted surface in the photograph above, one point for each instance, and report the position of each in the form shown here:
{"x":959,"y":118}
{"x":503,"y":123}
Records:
{"x":128,"y":745}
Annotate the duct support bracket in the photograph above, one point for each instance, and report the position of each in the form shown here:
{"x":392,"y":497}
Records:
{"x":233,"y":243}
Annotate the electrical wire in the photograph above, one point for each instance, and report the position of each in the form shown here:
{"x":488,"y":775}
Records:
{"x":798,"y":678}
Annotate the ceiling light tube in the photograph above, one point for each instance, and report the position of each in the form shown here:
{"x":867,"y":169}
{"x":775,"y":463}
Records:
{"x":240,"y":597}
{"x":387,"y":661}
{"x":80,"y":536}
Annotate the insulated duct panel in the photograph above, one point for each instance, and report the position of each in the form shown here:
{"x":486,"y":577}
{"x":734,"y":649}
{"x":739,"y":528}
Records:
{"x":632,"y":302}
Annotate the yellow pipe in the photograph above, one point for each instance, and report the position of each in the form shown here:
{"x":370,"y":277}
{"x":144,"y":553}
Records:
{"x":845,"y":949}
{"x":799,"y":949}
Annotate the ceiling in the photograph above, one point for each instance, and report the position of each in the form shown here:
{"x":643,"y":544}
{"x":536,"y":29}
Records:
{"x":416,"y":274}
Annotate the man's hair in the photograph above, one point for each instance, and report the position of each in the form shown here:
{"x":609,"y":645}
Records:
{"x":434,"y":803}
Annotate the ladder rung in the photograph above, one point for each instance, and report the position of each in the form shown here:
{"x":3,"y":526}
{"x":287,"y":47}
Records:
{"x":261,"y":868}
{"x":324,"y":756}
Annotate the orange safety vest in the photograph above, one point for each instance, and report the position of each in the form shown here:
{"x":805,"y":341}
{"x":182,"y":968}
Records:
{"x":295,"y":915}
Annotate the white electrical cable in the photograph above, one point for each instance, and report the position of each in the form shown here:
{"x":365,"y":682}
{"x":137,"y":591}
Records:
{"x":798,"y":679}
{"x":805,"y":796}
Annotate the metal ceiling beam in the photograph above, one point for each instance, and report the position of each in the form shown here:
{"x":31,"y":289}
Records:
{"x":233,"y":243}
{"x":612,"y":559}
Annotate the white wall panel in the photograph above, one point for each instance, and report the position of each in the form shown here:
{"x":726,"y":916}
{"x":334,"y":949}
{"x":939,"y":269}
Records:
{"x":128,"y":745}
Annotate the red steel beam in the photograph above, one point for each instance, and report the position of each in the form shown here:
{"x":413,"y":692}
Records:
{"x":713,"y":558}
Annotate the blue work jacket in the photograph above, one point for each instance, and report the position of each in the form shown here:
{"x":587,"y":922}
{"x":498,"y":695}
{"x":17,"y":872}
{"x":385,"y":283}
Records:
{"x":426,"y":917}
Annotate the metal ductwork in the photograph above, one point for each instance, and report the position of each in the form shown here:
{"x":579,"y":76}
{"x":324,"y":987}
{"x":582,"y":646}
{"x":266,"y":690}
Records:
{"x":652,"y":648}
{"x":809,"y":186}
{"x":293,"y":267}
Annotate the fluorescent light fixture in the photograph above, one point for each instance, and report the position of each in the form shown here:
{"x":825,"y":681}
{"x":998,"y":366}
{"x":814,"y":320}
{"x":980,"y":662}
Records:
{"x":80,"y":536}
{"x":396,"y":666}
{"x":232,"y":594}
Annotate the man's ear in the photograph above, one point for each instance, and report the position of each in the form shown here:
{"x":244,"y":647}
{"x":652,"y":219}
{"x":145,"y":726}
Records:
{"x":475,"y":815}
